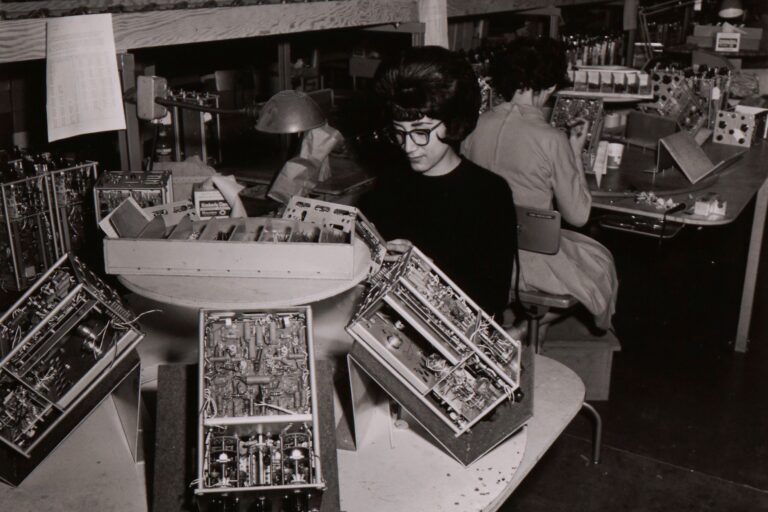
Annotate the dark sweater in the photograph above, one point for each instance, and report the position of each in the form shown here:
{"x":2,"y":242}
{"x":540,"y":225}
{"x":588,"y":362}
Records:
{"x":464,"y":221}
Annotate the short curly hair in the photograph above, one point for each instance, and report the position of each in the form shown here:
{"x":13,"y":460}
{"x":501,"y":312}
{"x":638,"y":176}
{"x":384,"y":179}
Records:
{"x":434,"y":82}
{"x":527,"y":63}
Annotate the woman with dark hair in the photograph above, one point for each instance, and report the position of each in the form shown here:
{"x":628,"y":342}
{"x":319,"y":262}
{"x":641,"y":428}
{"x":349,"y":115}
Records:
{"x":460,"y":215}
{"x":543,"y":167}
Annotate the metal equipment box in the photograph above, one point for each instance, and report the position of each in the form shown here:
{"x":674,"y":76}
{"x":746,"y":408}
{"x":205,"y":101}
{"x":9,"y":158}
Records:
{"x":44,"y":216}
{"x":258,"y":436}
{"x":146,"y":188}
{"x":320,"y":248}
{"x":65,"y":345}
{"x":440,"y":356}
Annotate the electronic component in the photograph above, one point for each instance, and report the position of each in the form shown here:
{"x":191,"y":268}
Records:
{"x":147,"y":189}
{"x":449,"y":352}
{"x":258,"y":421}
{"x":60,"y":344}
{"x":45,"y":216}
{"x":739,"y":128}
{"x":568,"y":109}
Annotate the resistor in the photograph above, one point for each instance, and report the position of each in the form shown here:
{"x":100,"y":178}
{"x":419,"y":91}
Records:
{"x":258,"y":380}
{"x":272,"y":333}
{"x":259,"y":335}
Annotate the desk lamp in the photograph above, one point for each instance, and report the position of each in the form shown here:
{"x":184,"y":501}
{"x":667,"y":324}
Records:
{"x":730,"y":9}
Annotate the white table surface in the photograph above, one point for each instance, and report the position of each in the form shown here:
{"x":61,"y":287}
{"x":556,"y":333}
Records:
{"x":397,"y":469}
{"x":92,"y":470}
{"x":245,"y":292}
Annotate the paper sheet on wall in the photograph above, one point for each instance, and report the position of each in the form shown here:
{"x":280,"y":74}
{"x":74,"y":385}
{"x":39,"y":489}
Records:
{"x":82,"y":84}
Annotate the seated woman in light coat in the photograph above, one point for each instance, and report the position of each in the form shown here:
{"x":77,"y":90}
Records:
{"x":543,"y":167}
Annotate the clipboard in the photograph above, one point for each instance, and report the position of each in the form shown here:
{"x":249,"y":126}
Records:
{"x":681,"y":151}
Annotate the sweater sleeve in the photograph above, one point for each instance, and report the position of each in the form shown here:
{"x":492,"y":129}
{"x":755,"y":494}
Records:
{"x":495,"y":251}
{"x":569,"y":183}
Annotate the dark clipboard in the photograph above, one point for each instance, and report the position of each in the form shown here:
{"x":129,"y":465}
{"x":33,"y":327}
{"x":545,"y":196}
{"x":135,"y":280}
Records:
{"x":680,"y":150}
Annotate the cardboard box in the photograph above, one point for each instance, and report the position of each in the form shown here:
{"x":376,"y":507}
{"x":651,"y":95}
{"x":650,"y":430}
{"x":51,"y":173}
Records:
{"x":211,"y":204}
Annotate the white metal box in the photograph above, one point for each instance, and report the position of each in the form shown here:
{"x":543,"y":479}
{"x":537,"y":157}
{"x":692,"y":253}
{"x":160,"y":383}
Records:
{"x":65,"y":344}
{"x":258,"y":415}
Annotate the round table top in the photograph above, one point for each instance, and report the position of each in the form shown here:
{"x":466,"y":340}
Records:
{"x":404,"y":469}
{"x":245,"y":292}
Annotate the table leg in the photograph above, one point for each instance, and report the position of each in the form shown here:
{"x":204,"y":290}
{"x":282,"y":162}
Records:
{"x":750,"y":275}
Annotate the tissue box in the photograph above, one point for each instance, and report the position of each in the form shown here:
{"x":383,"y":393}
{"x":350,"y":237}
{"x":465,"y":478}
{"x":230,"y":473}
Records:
{"x":211,"y":204}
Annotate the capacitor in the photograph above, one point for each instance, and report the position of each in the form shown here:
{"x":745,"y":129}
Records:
{"x":259,"y":336}
{"x":257,"y":380}
{"x":272,"y":332}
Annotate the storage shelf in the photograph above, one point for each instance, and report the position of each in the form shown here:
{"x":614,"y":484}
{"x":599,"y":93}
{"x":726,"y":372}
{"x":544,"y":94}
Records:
{"x":24,"y":39}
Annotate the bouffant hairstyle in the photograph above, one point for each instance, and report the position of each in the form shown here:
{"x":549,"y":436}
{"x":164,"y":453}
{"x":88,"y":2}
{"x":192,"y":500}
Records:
{"x":434,"y":82}
{"x":535,"y":64}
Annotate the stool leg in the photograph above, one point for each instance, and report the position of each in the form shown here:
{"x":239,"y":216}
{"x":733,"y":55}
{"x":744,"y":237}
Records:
{"x":597,"y":433}
{"x":533,"y":333}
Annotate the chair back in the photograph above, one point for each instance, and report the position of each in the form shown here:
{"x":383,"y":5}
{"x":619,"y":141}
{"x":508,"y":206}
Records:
{"x":538,"y":230}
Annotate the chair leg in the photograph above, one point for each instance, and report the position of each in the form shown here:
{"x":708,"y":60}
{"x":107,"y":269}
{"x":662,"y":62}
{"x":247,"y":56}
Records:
{"x":597,"y":433}
{"x":533,"y":333}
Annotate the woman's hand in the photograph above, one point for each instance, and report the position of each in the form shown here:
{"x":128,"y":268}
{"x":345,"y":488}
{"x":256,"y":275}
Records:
{"x":396,"y":248}
{"x":578,"y":130}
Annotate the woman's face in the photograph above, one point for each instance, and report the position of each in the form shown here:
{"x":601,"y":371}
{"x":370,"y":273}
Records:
{"x":434,"y":157}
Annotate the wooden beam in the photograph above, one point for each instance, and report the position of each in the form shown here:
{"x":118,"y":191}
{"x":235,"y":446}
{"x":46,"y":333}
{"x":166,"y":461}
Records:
{"x":25,"y":39}
{"x":479,"y":7}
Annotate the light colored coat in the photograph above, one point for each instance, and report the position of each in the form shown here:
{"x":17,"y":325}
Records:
{"x":536,"y":159}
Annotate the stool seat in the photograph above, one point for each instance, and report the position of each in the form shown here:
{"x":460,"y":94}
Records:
{"x":536,"y":298}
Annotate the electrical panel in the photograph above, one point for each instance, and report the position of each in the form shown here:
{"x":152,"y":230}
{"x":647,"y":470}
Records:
{"x":146,"y":188}
{"x":44,"y":216}
{"x":568,"y":109}
{"x":64,"y":345}
{"x":437,"y":342}
{"x":258,"y":437}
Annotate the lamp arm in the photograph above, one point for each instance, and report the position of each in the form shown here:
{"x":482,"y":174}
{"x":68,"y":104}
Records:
{"x":248,"y":111}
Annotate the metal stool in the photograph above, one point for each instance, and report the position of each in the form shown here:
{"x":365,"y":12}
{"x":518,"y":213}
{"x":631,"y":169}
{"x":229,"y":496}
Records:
{"x":539,"y":231}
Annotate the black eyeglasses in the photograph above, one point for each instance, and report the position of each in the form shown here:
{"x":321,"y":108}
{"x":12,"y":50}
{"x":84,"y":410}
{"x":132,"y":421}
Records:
{"x":419,"y":136}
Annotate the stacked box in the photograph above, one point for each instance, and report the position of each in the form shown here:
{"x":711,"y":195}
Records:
{"x":258,"y":433}
{"x":65,"y":345}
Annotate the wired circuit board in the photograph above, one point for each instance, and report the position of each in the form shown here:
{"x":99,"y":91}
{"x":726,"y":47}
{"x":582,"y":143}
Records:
{"x":434,"y":338}
{"x":258,"y":414}
{"x":56,"y":341}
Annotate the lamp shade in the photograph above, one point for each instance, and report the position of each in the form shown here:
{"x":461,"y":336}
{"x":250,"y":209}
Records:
{"x":289,"y":112}
{"x":731,"y":9}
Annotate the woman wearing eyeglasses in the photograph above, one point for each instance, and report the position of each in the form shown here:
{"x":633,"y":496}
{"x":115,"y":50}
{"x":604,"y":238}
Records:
{"x":459,"y":214}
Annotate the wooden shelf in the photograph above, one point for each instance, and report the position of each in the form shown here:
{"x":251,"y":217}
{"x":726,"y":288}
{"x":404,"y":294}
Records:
{"x":24,"y":39}
{"x":478,"y":7}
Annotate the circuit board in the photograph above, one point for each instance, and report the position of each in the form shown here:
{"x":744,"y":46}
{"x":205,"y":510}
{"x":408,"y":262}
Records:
{"x":568,"y":109}
{"x":438,"y":341}
{"x":258,"y":405}
{"x":60,"y":337}
{"x":147,"y":188}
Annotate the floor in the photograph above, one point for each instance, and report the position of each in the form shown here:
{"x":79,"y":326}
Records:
{"x":686,"y":425}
